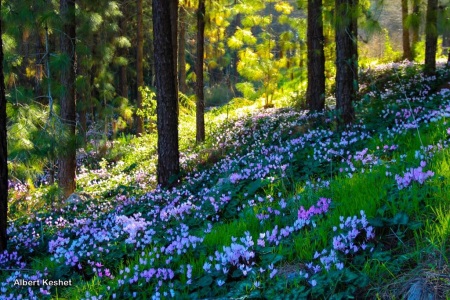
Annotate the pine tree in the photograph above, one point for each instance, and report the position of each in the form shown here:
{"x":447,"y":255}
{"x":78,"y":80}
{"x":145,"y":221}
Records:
{"x":3,"y":155}
{"x":200,"y":103}
{"x":315,"y":95}
{"x":415,"y":26}
{"x":123,"y":51}
{"x":174,"y":34}
{"x":139,"y":65}
{"x":67,"y":161}
{"x":346,"y":59}
{"x":167,"y":114}
{"x":431,"y":36}
{"x":407,"y":53}
{"x":182,"y":50}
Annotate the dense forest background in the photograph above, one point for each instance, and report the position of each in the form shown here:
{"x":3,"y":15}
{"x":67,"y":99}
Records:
{"x":133,"y":132}
{"x":115,"y":80}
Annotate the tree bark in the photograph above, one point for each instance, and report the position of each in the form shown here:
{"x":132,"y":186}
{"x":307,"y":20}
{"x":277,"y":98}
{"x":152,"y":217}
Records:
{"x":182,"y":51}
{"x":415,"y":26}
{"x":315,"y":93}
{"x":234,"y":55}
{"x":123,"y":78}
{"x":3,"y":156}
{"x":174,"y":35}
{"x":167,"y":115}
{"x":200,"y":101}
{"x":407,"y":53}
{"x":139,"y":66}
{"x":431,"y":37}
{"x":67,"y":161}
{"x":346,"y":60}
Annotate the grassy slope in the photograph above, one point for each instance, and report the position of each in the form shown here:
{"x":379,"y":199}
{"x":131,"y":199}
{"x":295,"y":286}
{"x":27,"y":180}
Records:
{"x":239,"y":210}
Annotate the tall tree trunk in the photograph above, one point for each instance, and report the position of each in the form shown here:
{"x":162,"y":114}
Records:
{"x":123,"y":78}
{"x":139,"y":66}
{"x":346,"y":59}
{"x":67,"y":162}
{"x":431,"y":37}
{"x":167,"y":115}
{"x":407,"y":53}
{"x":200,"y":103}
{"x":174,"y":34}
{"x":235,"y":56}
{"x":315,"y":94}
{"x":3,"y":156}
{"x":354,"y":49}
{"x":182,"y":51}
{"x":415,"y":26}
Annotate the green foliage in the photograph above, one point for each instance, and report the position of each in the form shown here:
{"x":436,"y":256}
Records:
{"x":389,"y":53}
{"x":217,"y":95}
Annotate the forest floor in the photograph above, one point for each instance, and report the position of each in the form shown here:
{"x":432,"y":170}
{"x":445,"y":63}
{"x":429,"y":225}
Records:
{"x":277,"y":204}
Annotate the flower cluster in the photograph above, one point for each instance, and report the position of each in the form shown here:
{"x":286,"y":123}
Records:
{"x":11,"y":261}
{"x":352,"y":236}
{"x":322,"y":207}
{"x":414,"y":174}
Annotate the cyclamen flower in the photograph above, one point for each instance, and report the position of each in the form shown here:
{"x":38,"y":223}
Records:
{"x":322,"y":207}
{"x":416,"y":174}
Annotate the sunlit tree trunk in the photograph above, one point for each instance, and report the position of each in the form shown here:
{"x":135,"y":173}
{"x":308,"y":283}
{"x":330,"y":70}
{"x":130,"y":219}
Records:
{"x":182,"y":51}
{"x":346,"y":59}
{"x":200,"y":103}
{"x":431,"y":36}
{"x":407,"y":54}
{"x":315,"y":94}
{"x":139,"y":66}
{"x":234,"y":74}
{"x":167,"y":115}
{"x":67,"y":161}
{"x":3,"y":156}
{"x":415,"y":26}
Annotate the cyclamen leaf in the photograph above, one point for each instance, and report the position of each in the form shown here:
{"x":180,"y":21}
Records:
{"x":205,"y":281}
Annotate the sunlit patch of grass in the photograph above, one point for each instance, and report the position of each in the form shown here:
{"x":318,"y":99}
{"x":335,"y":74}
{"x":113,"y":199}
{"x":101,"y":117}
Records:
{"x":221,"y":234}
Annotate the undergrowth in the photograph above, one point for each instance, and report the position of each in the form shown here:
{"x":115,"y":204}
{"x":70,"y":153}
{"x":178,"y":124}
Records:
{"x":276,"y":204}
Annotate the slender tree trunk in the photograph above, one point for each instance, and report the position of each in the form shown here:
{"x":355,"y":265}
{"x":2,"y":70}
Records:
{"x":123,"y":78}
{"x":182,"y":51}
{"x":200,"y":104}
{"x":67,"y":162}
{"x":83,"y":118}
{"x":431,"y":37}
{"x":354,"y":49}
{"x":407,"y":53}
{"x":235,"y":57}
{"x":346,"y":59}
{"x":3,"y":156}
{"x":415,"y":26}
{"x":139,"y":66}
{"x":167,"y":115}
{"x":315,"y":94}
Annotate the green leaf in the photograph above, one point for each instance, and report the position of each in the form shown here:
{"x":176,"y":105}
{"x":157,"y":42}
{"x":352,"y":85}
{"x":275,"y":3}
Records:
{"x":414,"y":225}
{"x":236,"y":274}
{"x":376,"y":222}
{"x":256,"y":185}
{"x":400,"y":219}
{"x":205,"y":281}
